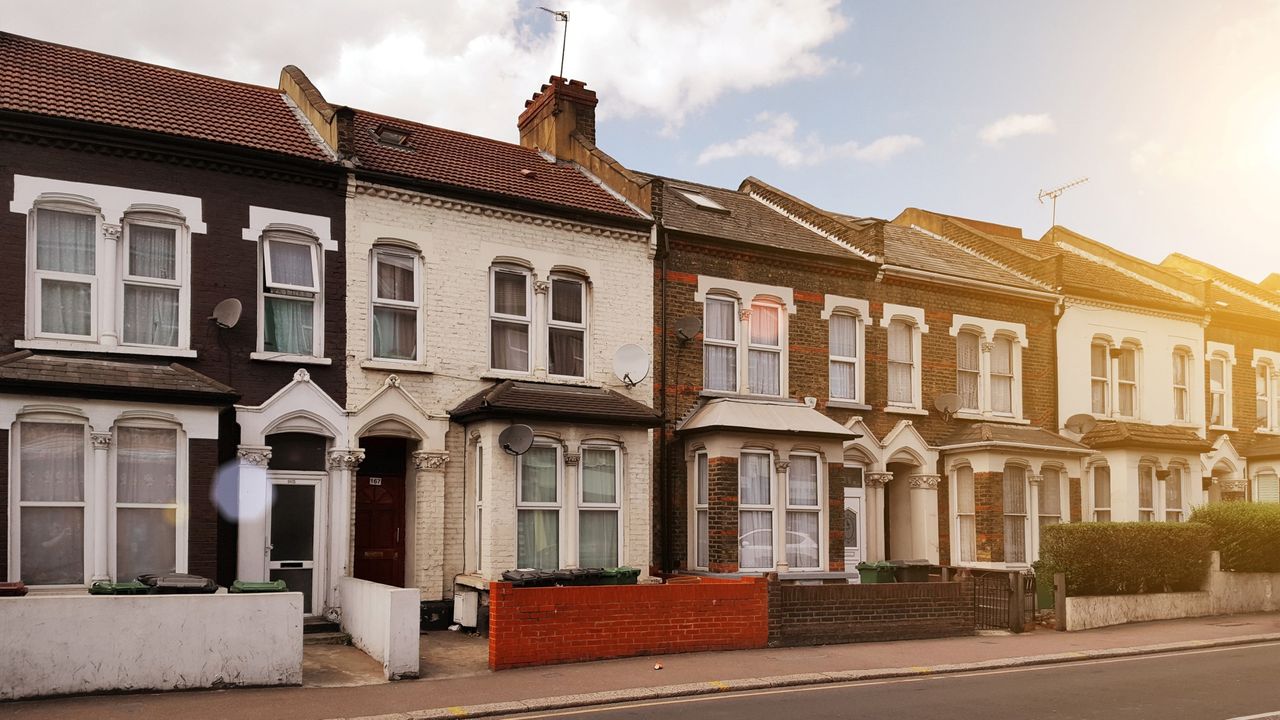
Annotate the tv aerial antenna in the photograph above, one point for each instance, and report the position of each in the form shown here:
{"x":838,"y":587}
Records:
{"x":1055,"y":193}
{"x":561,"y":16}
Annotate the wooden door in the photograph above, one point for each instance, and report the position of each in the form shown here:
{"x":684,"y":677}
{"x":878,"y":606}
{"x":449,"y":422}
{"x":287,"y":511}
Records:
{"x":380,"y":531}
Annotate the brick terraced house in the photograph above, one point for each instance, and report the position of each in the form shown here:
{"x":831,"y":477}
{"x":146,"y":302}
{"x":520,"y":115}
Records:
{"x":139,"y":199}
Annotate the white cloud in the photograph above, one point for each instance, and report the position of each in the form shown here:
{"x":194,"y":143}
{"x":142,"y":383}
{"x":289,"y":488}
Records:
{"x":469,"y":65}
{"x":778,"y":141}
{"x":1011,"y":126}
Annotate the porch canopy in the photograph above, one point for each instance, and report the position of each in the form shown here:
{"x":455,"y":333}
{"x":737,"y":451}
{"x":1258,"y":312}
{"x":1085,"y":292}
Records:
{"x":763,"y":416}
{"x":80,"y":377}
{"x":550,"y":401}
{"x":1010,"y":437}
{"x":1121,"y":434}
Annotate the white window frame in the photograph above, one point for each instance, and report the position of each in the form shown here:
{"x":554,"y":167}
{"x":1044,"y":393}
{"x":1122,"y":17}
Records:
{"x":181,"y":505}
{"x":76,"y":205}
{"x":1266,"y":372}
{"x":1227,"y":420}
{"x":733,"y":344}
{"x":581,"y":327}
{"x":1104,"y":380}
{"x":583,"y":506}
{"x":1147,"y":476}
{"x":1026,"y":514}
{"x":818,"y":508}
{"x":1177,"y":478}
{"x":1182,"y":356}
{"x":1270,"y":476}
{"x":959,"y":513}
{"x":299,"y":236}
{"x":1014,"y":375}
{"x":479,"y":506}
{"x":1064,"y":499}
{"x":1095,"y":506}
{"x":16,"y":504}
{"x":526,"y":319}
{"x":182,"y":271}
{"x":1120,"y":384}
{"x":375,"y":302}
{"x":700,"y":496}
{"x":915,"y":402}
{"x":778,"y":350}
{"x":979,"y":385}
{"x":855,"y":360}
{"x":562,"y":538}
{"x":770,"y":508}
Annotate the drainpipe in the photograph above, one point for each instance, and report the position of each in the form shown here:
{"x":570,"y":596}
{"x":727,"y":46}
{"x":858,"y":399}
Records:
{"x":664,"y":476}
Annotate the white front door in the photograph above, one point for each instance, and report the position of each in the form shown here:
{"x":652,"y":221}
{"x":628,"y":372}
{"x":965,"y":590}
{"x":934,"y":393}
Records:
{"x":294,"y":551}
{"x":855,"y":535}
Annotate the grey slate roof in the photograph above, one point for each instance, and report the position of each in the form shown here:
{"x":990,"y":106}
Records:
{"x":25,"y":371}
{"x":1000,"y":434}
{"x":549,"y":401}
{"x":908,"y":247}
{"x":1118,"y":433}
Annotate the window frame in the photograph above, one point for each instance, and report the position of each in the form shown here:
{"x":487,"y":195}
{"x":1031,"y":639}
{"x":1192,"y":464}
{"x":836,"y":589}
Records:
{"x":1104,"y":380}
{"x":700,"y":494}
{"x":770,"y":507}
{"x":1014,"y":375}
{"x":1175,"y":471}
{"x":1025,"y":514}
{"x":581,"y":327}
{"x":776,"y":350}
{"x":733,"y":344}
{"x":960,"y":514}
{"x":296,"y":235}
{"x":75,"y":205}
{"x":1181,"y":358}
{"x":182,"y":272}
{"x":1064,"y":509}
{"x":582,"y":505}
{"x":1223,"y":392}
{"x":1147,"y":477}
{"x":479,"y":506}
{"x":914,"y":332}
{"x":526,"y":320}
{"x":1266,"y":374}
{"x":16,"y":503}
{"x":180,"y":506}
{"x":1133,"y":385}
{"x":557,"y":505}
{"x":976,"y":373}
{"x":854,"y":360}
{"x":817,"y":509}
{"x":375,"y":302}
{"x":1095,"y":508}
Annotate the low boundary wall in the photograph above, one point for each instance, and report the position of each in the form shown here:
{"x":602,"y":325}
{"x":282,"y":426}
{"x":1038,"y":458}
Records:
{"x":384,"y":622}
{"x":62,"y":645}
{"x":828,"y":614}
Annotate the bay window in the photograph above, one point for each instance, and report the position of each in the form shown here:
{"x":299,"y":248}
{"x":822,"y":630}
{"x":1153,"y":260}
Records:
{"x":720,"y":345}
{"x":290,"y":293}
{"x":1100,"y":380}
{"x":1015,"y":514}
{"x":509,"y":319}
{"x":968,"y":370}
{"x":1181,"y":382}
{"x":1173,"y":495}
{"x":842,"y":331}
{"x":902,"y":370}
{"x":599,"y":508}
{"x":1146,"y":493}
{"x":538,"y":508}
{"x":146,"y":501}
{"x":701,"y":558}
{"x":764,"y":354}
{"x":755,"y":511}
{"x":50,"y":512}
{"x":1101,"y":493}
{"x":966,"y":516}
{"x":567,"y":328}
{"x":396,"y":304}
{"x":803,"y":513}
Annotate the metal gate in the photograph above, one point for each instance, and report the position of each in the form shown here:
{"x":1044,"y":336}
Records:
{"x":1003,"y":599}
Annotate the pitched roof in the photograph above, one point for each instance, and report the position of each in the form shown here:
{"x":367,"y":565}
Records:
{"x":53,"y":80}
{"x":549,"y":401}
{"x":24,"y":371}
{"x":1002,"y":435}
{"x":470,"y":162}
{"x":1227,"y":292}
{"x":779,"y":417}
{"x":1118,"y":433}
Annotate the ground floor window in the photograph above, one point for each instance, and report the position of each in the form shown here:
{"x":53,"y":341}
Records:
{"x":702,"y":541}
{"x":966,"y":516}
{"x":599,"y":508}
{"x":755,"y":511}
{"x":1049,"y":510}
{"x":555,"y":506}
{"x":1173,"y":495}
{"x":1146,"y":493}
{"x":803,"y":513}
{"x":538,"y":513}
{"x":51,"y":472}
{"x":1015,"y":514}
{"x":146,"y":506}
{"x":1102,"y":493}
{"x":1268,"y":488}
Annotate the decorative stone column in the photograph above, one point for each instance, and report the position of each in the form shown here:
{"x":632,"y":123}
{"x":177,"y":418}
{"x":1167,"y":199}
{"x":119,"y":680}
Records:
{"x":254,"y":502}
{"x":428,"y":539}
{"x":985,"y":401}
{"x":744,"y":332}
{"x":107,"y":281}
{"x":539,"y":356}
{"x":924,"y":516}
{"x":874,"y":483}
{"x":569,"y":530}
{"x":99,"y":493}
{"x":1033,"y":516}
{"x":342,"y":467}
{"x":780,"y":517}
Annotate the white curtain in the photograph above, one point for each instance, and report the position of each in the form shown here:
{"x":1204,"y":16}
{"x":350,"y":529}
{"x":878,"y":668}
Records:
{"x":65,"y":242}
{"x":968,"y":367}
{"x":509,"y":294}
{"x":1268,"y":488}
{"x":702,"y":480}
{"x":764,"y":325}
{"x":802,"y":539}
{"x":1146,"y":492}
{"x":395,"y":277}
{"x":145,"y":542}
{"x":754,"y":480}
{"x":965,"y":511}
{"x":146,"y":465}
{"x":1002,"y":375}
{"x":1099,"y":368}
{"x":1015,"y":517}
{"x":289,"y":325}
{"x":721,"y":361}
{"x":901,"y":363}
{"x":598,"y":538}
{"x":153,"y":252}
{"x":722,"y":321}
{"x":151,"y":315}
{"x":566,"y":300}
{"x":66,"y":307}
{"x":538,"y":541}
{"x":755,"y":536}
{"x":1102,"y":493}
{"x":51,"y":545}
{"x":842,"y":333}
{"x":395,"y":333}
{"x":538,"y":475}
{"x":1127,"y":376}
{"x":291,"y":264}
{"x":599,"y":476}
{"x":703,"y":540}
{"x":1173,"y":495}
{"x":510,"y":346}
{"x":565,"y":351}
{"x":802,"y":481}
{"x":763,"y":368}
{"x":52,"y":462}
{"x":844,"y":380}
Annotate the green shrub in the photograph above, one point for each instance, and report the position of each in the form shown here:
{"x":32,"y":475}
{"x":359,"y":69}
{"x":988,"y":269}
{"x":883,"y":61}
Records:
{"x":1246,"y":534}
{"x":1127,"y":558}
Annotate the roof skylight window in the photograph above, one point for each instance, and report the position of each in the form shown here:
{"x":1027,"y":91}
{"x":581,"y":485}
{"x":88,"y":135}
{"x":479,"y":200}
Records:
{"x":392,"y":136}
{"x":702,"y":201}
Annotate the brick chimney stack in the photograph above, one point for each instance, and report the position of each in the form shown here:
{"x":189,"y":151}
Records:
{"x":561,"y":109}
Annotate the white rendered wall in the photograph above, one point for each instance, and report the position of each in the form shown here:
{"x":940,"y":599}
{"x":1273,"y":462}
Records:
{"x":59,"y":645}
{"x":384,"y":622}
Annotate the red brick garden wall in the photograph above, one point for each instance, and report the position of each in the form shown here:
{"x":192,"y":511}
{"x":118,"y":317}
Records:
{"x":544,"y":626}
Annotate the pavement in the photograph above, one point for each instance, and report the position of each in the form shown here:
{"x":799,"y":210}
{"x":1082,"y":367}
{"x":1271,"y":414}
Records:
{"x":460,"y":689}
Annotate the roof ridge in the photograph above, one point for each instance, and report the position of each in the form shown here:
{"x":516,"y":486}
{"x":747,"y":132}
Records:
{"x":987,"y":258}
{"x":774,"y":199}
{"x":1187,"y":298}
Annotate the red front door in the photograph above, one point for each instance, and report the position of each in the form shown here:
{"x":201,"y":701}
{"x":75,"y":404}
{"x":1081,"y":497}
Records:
{"x":380,"y":529}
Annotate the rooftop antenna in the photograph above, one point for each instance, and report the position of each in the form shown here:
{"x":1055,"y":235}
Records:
{"x":561,"y":16}
{"x":1055,"y":193}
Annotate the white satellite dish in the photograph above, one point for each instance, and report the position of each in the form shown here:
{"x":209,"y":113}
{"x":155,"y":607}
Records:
{"x":631,"y":364}
{"x":227,"y":313}
{"x":1080,"y":423}
{"x":516,"y":440}
{"x":947,"y":404}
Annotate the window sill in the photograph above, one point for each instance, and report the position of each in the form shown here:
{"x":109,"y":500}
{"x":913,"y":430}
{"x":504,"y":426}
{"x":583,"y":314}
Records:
{"x":847,"y":404}
{"x":530,"y":377}
{"x":1266,"y":431}
{"x":743,"y":396}
{"x":394,"y":366}
{"x":1006,"y":419}
{"x":76,"y":346}
{"x":1223,"y":428}
{"x":291,"y":359}
{"x":905,"y":410}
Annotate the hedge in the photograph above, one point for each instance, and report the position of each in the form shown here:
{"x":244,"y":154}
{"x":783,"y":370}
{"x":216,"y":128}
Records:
{"x":1246,"y":534}
{"x":1127,"y":558}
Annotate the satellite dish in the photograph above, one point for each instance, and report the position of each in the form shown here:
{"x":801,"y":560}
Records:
{"x":227,"y":313}
{"x":1080,"y":423}
{"x":516,"y":440}
{"x":947,"y":404}
{"x":688,"y":327}
{"x":631,"y":364}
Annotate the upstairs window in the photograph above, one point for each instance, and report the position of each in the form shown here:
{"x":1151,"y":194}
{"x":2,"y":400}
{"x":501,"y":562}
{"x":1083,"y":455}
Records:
{"x":1219,"y":399}
{"x":66,"y":273}
{"x":567,"y":328}
{"x":902,"y":368}
{"x":1002,"y":375}
{"x":1100,"y":383}
{"x":1127,"y":382}
{"x":509,"y":319}
{"x":1265,"y":384}
{"x":720,"y":345}
{"x":290,"y":293}
{"x":842,"y":330}
{"x":1181,"y":383}
{"x":764,"y":356}
{"x":968,"y":370}
{"x":396,"y":304}
{"x":152,"y":284}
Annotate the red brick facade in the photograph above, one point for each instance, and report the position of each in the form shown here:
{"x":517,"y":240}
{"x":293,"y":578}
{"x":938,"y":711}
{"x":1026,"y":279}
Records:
{"x":202,"y":528}
{"x":988,"y":506}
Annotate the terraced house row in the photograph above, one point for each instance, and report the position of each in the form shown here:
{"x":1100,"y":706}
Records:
{"x":252,"y":334}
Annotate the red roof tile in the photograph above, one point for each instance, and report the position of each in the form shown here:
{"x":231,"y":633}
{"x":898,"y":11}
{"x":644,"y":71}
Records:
{"x":471,"y":162}
{"x":55,"y":80}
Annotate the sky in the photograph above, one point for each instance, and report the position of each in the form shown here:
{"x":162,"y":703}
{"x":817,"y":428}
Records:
{"x":1170,"y":108}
